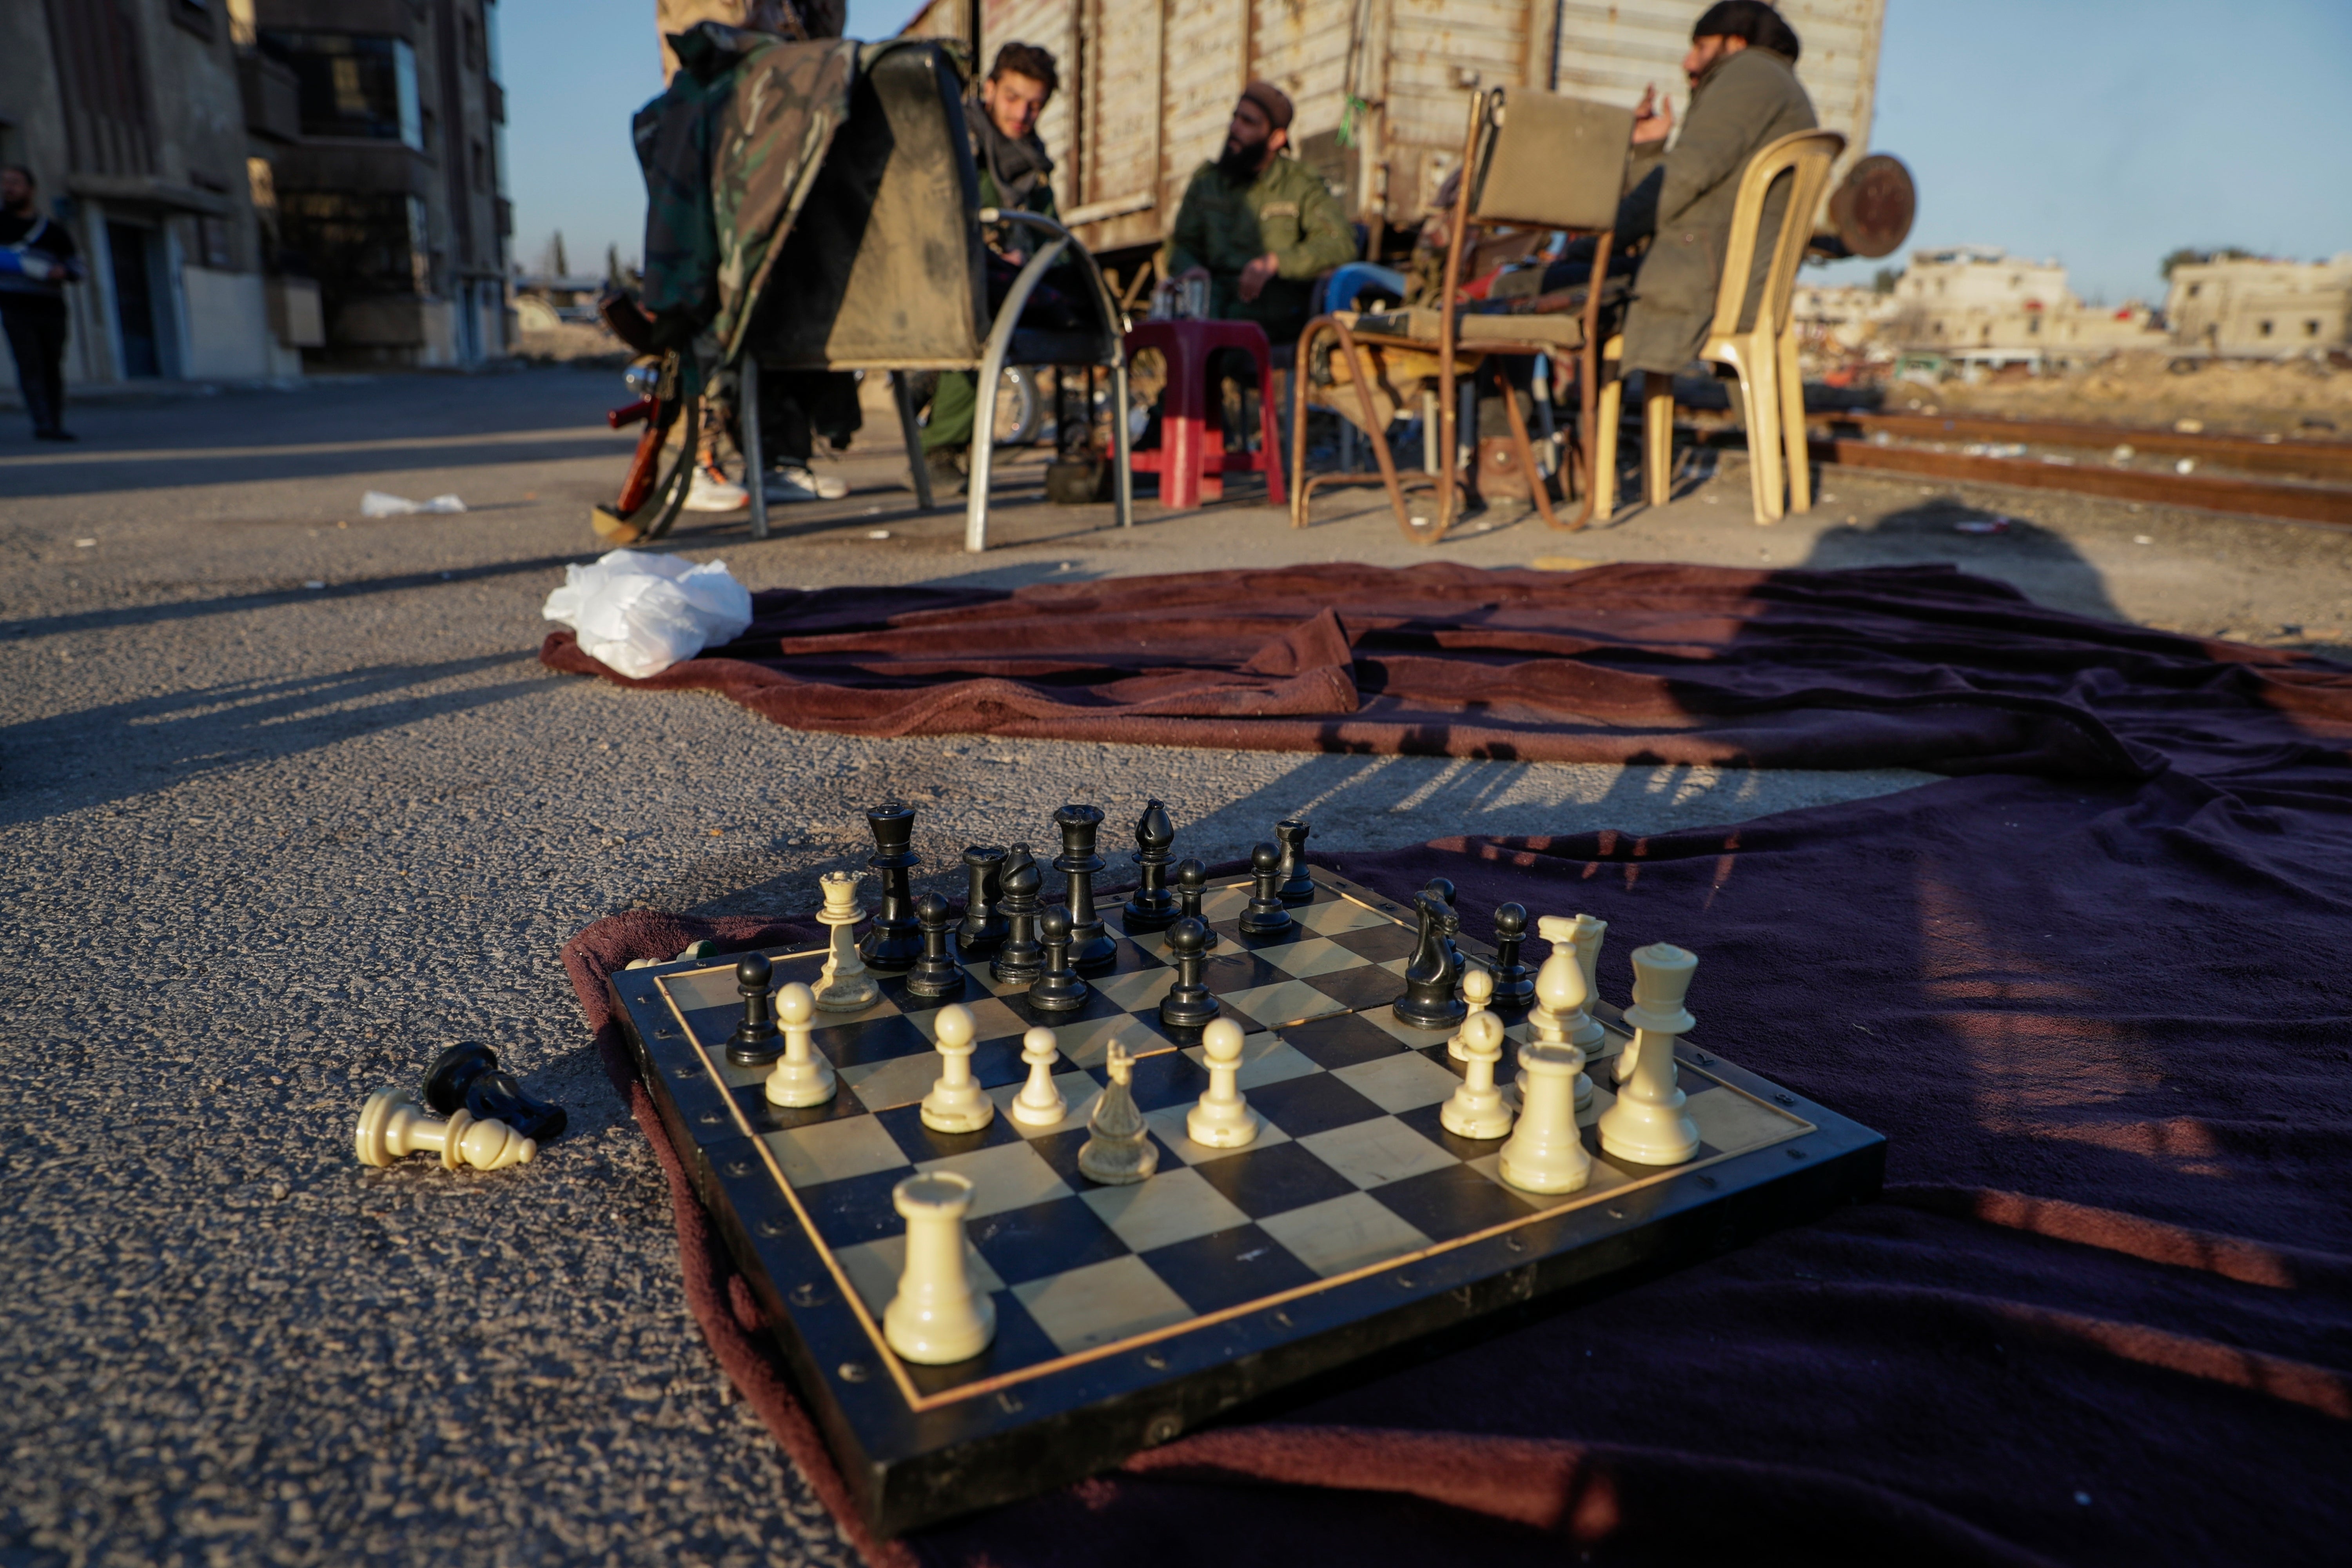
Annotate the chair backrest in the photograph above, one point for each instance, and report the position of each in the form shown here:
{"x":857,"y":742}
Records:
{"x":1542,"y":160}
{"x":885,"y":266}
{"x":1805,"y":157}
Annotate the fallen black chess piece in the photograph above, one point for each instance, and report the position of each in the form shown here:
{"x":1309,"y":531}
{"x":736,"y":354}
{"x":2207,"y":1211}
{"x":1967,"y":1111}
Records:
{"x":468,"y":1075}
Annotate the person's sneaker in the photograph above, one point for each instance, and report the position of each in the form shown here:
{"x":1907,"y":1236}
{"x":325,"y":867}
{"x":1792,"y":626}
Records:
{"x":712,"y":490}
{"x":59,"y":434}
{"x":828,"y":487}
{"x":947,"y":473}
{"x":793,"y":482}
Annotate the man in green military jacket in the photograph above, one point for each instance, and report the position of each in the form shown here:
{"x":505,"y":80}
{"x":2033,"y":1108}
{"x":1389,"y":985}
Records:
{"x":1015,"y":171}
{"x":1259,"y":227}
{"x":1742,"y":68}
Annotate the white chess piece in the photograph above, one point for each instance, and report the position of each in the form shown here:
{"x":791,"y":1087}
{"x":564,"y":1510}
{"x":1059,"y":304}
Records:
{"x":1585,"y":1032}
{"x":1562,"y":1013}
{"x":1040,"y":1103}
{"x":802,"y":1077}
{"x":1547,"y":1153}
{"x":843,"y":985}
{"x":937,"y":1318}
{"x":392,"y":1125}
{"x":1649,"y":1124}
{"x":1477,"y":1109}
{"x":956,"y":1103}
{"x":1477,"y":990}
{"x":1223,"y":1119}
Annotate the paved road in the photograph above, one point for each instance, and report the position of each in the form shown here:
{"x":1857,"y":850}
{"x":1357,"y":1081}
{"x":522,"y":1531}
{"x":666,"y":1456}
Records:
{"x":285,"y":804}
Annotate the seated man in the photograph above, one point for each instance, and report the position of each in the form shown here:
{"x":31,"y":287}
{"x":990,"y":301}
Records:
{"x":1260,"y":228}
{"x":1015,"y":172}
{"x":1744,"y":95}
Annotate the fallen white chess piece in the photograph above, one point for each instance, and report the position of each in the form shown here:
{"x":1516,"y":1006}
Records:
{"x":392,"y":1125}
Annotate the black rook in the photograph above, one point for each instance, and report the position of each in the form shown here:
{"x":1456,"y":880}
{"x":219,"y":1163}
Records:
{"x":983,"y":927}
{"x":1297,"y":886}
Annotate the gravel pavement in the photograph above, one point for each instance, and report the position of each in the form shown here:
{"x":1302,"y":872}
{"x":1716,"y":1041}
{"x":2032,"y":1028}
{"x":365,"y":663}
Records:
{"x":287,"y":804}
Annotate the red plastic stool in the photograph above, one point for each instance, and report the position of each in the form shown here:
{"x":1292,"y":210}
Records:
{"x":1192,"y":461}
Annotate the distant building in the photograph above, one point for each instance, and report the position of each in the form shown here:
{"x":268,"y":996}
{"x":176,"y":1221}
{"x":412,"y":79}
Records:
{"x":1979,"y":306}
{"x":1841,"y":321}
{"x":129,"y":112}
{"x":2267,"y":309}
{"x":391,"y":192}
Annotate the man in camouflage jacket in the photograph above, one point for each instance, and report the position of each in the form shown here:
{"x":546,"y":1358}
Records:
{"x":1259,"y":227}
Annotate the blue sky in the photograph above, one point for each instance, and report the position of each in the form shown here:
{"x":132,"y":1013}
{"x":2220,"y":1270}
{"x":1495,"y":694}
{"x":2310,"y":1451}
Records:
{"x":2102,"y":133}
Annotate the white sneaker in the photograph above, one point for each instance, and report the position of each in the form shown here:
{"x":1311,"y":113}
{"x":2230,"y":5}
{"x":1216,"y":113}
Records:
{"x":797,"y":481}
{"x":712,"y":490}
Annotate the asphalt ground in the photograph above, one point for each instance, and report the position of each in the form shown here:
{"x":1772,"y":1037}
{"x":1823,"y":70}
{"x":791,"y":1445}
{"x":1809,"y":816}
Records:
{"x":287,"y":804}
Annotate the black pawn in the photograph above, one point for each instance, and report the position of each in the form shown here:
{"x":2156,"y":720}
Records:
{"x":1020,"y":958}
{"x":1267,"y":916}
{"x":756,"y":1041}
{"x":1057,"y":987}
{"x":1152,"y":908}
{"x":935,"y":973}
{"x":1191,"y":887}
{"x":1188,"y":1004}
{"x":1297,"y":886}
{"x":468,"y":1075}
{"x":983,"y":926}
{"x":1515,"y":982}
{"x":1093,"y":950}
{"x":1430,"y":1000}
{"x":892,"y":944}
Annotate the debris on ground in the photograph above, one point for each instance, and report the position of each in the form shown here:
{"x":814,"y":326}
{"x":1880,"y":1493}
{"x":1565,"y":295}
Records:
{"x":376,"y":504}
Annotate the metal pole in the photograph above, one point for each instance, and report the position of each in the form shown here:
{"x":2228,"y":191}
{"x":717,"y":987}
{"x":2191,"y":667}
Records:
{"x":755,"y":468}
{"x":992,"y":367}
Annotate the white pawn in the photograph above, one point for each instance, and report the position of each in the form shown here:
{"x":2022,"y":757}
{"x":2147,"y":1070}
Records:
{"x":1223,"y":1119}
{"x":392,"y":1125}
{"x":1649,"y":1124}
{"x":843,"y":985}
{"x":1561,"y":1014}
{"x":1040,"y":1103}
{"x":1547,"y":1153}
{"x":802,"y":1077}
{"x":956,"y":1103}
{"x":1477,"y":1109}
{"x":1477,"y":990}
{"x":937,"y":1318}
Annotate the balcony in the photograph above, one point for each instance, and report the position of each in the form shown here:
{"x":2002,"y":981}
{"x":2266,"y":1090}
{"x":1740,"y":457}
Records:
{"x":271,"y":94}
{"x":495,"y":96}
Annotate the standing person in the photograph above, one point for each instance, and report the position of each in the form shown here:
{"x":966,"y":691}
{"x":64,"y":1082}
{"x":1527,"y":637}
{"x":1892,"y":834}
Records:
{"x":37,"y":259}
{"x":1015,"y":171}
{"x":1259,"y":227}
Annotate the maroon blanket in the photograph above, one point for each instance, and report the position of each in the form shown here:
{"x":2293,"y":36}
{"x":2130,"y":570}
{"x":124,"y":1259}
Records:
{"x":1913,"y":666}
{"x":2106,"y":1313}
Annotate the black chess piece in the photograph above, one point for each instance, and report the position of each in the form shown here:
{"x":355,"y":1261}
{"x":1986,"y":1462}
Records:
{"x":1296,"y":887}
{"x":1191,"y":887}
{"x":1093,"y":950}
{"x":1188,"y":1004}
{"x":1515,"y":982}
{"x":984,"y":927}
{"x":1432,"y":999}
{"x":892,"y":942}
{"x":1442,"y":889}
{"x":468,"y":1074}
{"x":756,"y":1041}
{"x":1152,"y":907}
{"x":936,"y":973}
{"x":1057,"y":988}
{"x":1266,"y":914}
{"x":1020,"y":957}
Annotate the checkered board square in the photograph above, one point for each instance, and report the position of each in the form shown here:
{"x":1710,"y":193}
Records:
{"x":1353,"y":1177}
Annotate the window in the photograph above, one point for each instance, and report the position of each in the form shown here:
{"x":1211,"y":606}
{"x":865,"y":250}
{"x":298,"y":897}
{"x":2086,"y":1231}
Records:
{"x":479,"y":167}
{"x":357,"y":242}
{"x":473,"y":30}
{"x":2311,"y":329}
{"x":2266,"y":329}
{"x":2195,"y":289}
{"x":353,"y":85}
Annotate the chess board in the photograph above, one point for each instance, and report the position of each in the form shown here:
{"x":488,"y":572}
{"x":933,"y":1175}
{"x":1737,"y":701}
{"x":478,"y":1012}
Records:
{"x":1127,"y":1315}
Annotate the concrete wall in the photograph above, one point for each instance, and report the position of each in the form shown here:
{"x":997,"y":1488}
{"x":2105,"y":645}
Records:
{"x":2267,"y":309}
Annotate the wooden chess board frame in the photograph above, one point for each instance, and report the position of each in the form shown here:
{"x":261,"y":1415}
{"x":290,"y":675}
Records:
{"x":917,"y":1445}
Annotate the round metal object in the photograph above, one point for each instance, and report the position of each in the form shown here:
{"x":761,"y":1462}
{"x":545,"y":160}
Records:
{"x":1872,"y":206}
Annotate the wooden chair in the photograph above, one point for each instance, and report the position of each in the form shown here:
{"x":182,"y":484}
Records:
{"x":1764,"y":352}
{"x":1531,"y":160}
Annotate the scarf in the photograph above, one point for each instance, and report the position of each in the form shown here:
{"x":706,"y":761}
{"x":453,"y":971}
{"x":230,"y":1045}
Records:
{"x":1018,"y":167}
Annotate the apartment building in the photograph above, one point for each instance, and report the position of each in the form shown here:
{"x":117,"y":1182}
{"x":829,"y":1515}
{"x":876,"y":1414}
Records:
{"x":2249,"y":307}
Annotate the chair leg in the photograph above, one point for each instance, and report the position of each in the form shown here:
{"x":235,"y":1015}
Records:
{"x":1603,"y":477}
{"x":1793,"y":426}
{"x":1760,"y":400}
{"x":1525,"y":450}
{"x":1269,"y":438}
{"x":912,"y":433}
{"x":1658,"y":438}
{"x":755,"y":461}
{"x":1123,"y":486}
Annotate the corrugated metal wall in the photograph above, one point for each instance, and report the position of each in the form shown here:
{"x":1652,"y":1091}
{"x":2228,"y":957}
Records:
{"x":1415,"y":63}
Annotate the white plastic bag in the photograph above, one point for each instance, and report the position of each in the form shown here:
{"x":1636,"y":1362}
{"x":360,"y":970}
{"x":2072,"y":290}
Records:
{"x":376,"y":504}
{"x":641,"y":614}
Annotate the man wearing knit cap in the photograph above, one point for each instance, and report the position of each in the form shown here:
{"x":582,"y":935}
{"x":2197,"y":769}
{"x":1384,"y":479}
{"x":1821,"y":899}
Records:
{"x":1259,"y":227}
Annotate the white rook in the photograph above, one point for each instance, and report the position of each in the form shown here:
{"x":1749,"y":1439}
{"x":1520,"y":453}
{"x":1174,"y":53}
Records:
{"x":937,"y":1318}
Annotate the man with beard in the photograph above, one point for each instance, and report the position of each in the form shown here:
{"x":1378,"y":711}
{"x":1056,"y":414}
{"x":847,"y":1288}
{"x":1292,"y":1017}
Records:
{"x":1015,"y":172}
{"x":1259,"y":227}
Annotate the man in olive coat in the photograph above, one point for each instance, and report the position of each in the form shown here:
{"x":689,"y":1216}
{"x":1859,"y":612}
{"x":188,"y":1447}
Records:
{"x":1259,"y":227}
{"x":1744,"y":95}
